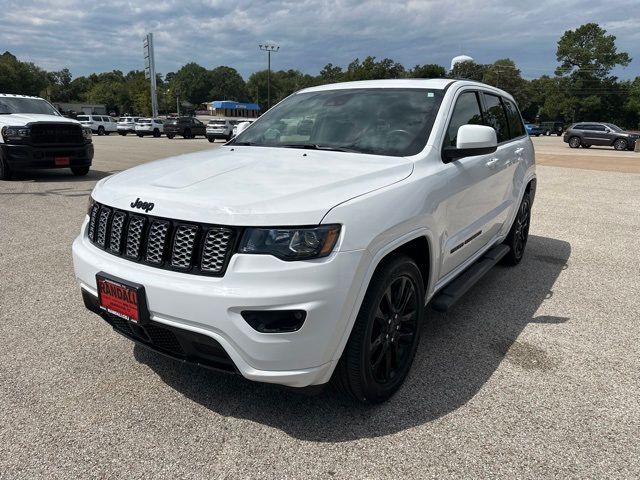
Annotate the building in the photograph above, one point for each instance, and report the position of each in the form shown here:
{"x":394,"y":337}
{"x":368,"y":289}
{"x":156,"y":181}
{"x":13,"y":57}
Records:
{"x":229,"y":108}
{"x":82,"y":108}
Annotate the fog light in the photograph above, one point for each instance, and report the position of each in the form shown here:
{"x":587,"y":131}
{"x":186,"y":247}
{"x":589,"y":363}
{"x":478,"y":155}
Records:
{"x":275,"y":321}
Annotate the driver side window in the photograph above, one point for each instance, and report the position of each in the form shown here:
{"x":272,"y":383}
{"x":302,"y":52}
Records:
{"x":466,"y":111}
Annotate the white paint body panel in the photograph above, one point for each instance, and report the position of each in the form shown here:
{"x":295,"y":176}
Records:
{"x":381,"y":202}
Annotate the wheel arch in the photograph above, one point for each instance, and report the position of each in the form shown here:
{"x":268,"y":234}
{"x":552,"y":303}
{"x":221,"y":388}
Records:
{"x":410,"y":244}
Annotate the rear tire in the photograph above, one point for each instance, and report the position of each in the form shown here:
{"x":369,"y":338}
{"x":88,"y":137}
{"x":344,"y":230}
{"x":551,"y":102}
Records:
{"x":586,"y":146}
{"x":384,"y":338}
{"x":519,"y":233}
{"x":5,"y":171}
{"x":620,"y":144}
{"x":170,"y":136}
{"x":140,"y":135}
{"x":211,"y":140}
{"x":156,"y":133}
{"x":101,"y":130}
{"x":574,"y":142}
{"x":80,"y":171}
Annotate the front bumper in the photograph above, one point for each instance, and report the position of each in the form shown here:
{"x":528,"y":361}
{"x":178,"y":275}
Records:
{"x":28,"y":156}
{"x":326,"y":289}
{"x":126,"y":129}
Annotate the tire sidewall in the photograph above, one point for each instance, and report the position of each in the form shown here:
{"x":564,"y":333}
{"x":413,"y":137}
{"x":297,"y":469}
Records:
{"x":372,"y":390}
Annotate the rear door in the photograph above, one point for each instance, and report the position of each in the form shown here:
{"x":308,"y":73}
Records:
{"x":595,"y":134}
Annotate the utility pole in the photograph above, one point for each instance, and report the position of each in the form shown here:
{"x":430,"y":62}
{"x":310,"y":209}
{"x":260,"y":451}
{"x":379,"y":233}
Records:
{"x":150,"y":71}
{"x":269,"y":48}
{"x":178,"y":101}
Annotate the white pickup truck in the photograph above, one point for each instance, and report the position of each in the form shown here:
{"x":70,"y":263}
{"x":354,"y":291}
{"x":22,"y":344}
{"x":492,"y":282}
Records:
{"x":310,"y":248}
{"x":33,"y":135}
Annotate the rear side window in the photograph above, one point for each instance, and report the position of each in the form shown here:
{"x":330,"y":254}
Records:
{"x":467,"y":111}
{"x":496,"y":117}
{"x":597,"y":128}
{"x":96,"y":119}
{"x":516,"y":129}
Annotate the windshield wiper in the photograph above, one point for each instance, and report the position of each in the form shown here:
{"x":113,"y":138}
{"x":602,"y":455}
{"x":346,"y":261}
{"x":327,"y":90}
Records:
{"x":315,"y":146}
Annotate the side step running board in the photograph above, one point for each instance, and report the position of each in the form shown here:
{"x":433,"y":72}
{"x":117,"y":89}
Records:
{"x":449,"y":295}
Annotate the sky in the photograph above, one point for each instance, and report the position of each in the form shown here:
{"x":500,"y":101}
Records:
{"x":87,"y":36}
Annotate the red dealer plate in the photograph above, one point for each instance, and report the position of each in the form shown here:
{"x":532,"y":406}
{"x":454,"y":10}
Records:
{"x":121,"y":298}
{"x":62,"y":161}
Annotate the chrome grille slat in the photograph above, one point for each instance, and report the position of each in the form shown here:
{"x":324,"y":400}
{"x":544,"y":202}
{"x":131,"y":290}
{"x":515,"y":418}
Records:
{"x":156,"y":241}
{"x":194,"y":248}
{"x":103,"y":225}
{"x":134,"y":236}
{"x":115,"y":240}
{"x":214,"y":250}
{"x":183,"y":243}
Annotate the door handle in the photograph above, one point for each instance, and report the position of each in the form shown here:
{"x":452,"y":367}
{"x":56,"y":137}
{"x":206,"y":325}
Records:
{"x":519,"y":151}
{"x":492,"y":162}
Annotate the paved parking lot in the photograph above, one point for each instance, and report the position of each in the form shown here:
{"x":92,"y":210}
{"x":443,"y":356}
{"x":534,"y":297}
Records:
{"x":534,"y":374}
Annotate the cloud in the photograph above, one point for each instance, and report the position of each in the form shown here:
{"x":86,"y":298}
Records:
{"x":91,"y":37}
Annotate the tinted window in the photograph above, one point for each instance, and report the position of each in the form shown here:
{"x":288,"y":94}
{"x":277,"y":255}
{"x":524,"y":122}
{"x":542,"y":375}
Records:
{"x":578,"y":127}
{"x":513,"y":116}
{"x":597,"y":128}
{"x":82,"y":118}
{"x":467,"y":111}
{"x":106,"y":119}
{"x":496,"y":117}
{"x":96,"y":119}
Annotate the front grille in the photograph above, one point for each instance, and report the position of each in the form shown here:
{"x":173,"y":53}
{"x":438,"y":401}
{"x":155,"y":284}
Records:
{"x":56,"y":134}
{"x":196,"y":248}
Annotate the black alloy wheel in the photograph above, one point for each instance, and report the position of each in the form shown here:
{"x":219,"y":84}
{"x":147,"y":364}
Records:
{"x":385,"y":336}
{"x":620,"y":144}
{"x":519,"y":233}
{"x":574,"y":142}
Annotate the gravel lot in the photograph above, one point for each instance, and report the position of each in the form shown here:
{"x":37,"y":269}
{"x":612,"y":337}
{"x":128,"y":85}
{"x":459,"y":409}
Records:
{"x":534,"y":374}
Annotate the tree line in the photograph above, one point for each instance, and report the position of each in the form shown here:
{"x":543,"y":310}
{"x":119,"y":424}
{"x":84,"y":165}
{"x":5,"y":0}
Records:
{"x":581,"y":88}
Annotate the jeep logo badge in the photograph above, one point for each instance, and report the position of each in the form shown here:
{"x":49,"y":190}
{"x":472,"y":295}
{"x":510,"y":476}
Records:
{"x":146,"y":206}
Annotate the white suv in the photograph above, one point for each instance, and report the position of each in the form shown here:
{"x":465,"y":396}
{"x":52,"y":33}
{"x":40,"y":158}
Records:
{"x":308,"y":248}
{"x":127,"y":125}
{"x":220,"y":129}
{"x":100,"y":124}
{"x":149,"y":126}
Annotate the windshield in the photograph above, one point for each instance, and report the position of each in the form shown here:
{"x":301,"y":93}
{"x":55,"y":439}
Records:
{"x":125,"y":120}
{"x":9,"y":105}
{"x":381,"y":121}
{"x":614,"y":127}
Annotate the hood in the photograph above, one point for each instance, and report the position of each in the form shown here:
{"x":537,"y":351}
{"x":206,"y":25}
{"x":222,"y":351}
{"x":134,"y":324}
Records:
{"x":21,"y":119}
{"x":251,"y":186}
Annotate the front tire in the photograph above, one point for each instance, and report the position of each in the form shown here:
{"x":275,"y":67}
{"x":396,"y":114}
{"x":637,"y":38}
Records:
{"x":156,"y":133}
{"x":170,"y":136}
{"x":519,"y":233}
{"x":620,"y":144}
{"x":101,"y":131}
{"x":384,"y":339}
{"x":80,"y":171}
{"x":574,"y":142}
{"x":211,"y":139}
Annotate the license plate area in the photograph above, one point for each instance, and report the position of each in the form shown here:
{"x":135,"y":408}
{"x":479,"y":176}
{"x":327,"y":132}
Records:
{"x":62,"y":161}
{"x":121,"y":298}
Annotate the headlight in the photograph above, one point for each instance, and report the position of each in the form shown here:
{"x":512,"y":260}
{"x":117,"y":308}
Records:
{"x":86,"y":133}
{"x":291,"y":243}
{"x":15,"y":134}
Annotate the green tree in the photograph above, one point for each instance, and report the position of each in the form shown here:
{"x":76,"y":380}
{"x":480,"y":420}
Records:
{"x":468,"y":70}
{"x":588,"y":50}
{"x":23,"y":78}
{"x":227,"y":84}
{"x":370,"y":69}
{"x":330,"y":74}
{"x":430,"y":70}
{"x":194,"y":83}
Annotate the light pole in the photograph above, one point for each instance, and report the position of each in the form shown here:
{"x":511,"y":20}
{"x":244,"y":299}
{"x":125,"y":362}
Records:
{"x":269,"y":48}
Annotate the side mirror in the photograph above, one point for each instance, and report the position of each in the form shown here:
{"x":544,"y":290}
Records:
{"x":472,"y":140}
{"x":242,"y":126}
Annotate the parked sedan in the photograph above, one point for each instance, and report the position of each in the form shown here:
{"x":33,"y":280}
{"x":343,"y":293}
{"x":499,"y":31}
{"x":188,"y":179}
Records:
{"x":149,"y":126}
{"x":603,"y":134}
{"x":188,"y":127}
{"x":534,"y":130}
